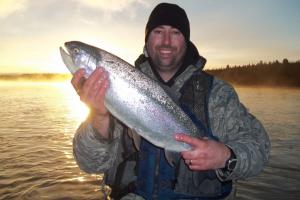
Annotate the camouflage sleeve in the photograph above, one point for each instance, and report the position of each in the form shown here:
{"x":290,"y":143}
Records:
{"x":238,"y":129}
{"x":93,"y":153}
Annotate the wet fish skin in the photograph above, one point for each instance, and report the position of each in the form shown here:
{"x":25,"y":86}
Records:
{"x":133,"y":98}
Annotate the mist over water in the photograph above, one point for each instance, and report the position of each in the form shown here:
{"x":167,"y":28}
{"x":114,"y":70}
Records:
{"x":38,"y":121}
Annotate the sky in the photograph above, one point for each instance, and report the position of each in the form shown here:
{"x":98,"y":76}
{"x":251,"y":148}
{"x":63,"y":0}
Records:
{"x":226,"y":32}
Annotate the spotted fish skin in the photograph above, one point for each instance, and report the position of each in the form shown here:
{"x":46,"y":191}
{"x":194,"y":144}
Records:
{"x":133,"y":98}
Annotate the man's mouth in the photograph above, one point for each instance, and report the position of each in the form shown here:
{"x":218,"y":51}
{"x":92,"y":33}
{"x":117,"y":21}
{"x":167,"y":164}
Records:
{"x":165,"y":52}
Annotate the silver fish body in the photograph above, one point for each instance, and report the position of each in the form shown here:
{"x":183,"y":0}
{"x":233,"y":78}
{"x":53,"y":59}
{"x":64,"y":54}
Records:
{"x":134,"y":98}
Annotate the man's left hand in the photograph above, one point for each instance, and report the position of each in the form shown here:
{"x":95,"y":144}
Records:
{"x":206,"y":154}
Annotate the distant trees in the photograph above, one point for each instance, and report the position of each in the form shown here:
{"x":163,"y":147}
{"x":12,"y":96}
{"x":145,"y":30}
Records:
{"x":34,"y":77}
{"x":286,"y":74}
{"x":285,"y":61}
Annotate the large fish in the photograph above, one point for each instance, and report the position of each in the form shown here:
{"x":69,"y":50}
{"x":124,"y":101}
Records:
{"x":133,"y":98}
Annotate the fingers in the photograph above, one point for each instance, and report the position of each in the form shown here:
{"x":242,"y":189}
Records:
{"x":95,"y":86}
{"x":187,"y":139}
{"x":101,"y":87}
{"x":194,"y":142}
{"x":206,"y":154}
{"x":195,"y":161}
{"x":91,"y":85}
{"x":92,"y":92}
{"x":78,"y":79}
{"x":195,"y":158}
{"x":193,"y":164}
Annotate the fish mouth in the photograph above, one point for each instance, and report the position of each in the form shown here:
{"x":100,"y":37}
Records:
{"x":67,"y":59}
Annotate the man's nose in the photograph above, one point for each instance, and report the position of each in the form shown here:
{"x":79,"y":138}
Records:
{"x":167,"y":38}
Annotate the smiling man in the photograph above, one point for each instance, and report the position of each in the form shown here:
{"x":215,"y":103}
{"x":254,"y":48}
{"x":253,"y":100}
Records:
{"x":236,"y":145}
{"x":166,"y":47}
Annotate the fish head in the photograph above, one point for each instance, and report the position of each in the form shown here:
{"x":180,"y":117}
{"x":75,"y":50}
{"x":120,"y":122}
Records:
{"x":79,"y":55}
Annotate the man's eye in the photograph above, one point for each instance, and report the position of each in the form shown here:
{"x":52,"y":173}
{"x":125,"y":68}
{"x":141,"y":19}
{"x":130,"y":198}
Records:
{"x":176,"y":32}
{"x":157,"y":31}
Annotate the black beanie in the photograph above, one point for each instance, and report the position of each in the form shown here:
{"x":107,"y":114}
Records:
{"x":168,"y":14}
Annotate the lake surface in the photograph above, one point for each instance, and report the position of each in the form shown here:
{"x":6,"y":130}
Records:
{"x":38,"y":120}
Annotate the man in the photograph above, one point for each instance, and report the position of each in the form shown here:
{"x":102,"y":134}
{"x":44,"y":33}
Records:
{"x":236,"y":145}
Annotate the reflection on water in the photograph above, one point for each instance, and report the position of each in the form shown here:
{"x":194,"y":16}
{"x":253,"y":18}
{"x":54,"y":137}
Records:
{"x":38,"y":121}
{"x":37,"y":125}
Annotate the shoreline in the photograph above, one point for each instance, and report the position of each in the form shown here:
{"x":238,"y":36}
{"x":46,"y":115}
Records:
{"x":56,"y":77}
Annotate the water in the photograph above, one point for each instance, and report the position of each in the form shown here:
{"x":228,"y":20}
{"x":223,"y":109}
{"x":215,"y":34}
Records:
{"x":279,"y":111}
{"x":38,"y":121}
{"x":37,"y":125}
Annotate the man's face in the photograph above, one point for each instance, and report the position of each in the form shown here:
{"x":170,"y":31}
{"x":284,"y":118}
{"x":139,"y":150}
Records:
{"x":166,"y":47}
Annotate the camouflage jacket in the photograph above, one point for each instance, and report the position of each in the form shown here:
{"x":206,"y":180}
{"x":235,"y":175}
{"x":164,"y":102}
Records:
{"x":230,"y":122}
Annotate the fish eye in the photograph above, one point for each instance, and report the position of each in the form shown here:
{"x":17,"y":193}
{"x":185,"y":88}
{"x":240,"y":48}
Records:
{"x":76,"y":50}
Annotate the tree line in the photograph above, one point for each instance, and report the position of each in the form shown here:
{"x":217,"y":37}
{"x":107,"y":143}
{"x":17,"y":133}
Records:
{"x":34,"y":77}
{"x":282,"y":74}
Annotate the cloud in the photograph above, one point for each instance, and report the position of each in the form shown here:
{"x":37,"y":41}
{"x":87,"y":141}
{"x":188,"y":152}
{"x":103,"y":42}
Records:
{"x":112,"y":5}
{"x":8,"y":7}
{"x":26,"y":18}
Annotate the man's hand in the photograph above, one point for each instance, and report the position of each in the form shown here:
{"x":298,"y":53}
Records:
{"x":92,"y":90}
{"x":92,"y":93}
{"x":205,"y":154}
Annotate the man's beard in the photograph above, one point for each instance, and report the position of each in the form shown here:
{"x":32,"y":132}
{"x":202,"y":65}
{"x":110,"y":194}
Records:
{"x":159,"y":59}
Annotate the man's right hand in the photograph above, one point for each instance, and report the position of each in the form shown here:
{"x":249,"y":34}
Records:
{"x":92,"y":92}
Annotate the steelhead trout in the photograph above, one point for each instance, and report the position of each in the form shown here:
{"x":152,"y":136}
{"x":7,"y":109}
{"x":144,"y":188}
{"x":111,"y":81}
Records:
{"x":133,"y":98}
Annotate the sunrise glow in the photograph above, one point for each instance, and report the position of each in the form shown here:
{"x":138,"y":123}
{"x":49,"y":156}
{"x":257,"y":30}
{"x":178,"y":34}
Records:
{"x":234,"y":32}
